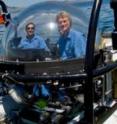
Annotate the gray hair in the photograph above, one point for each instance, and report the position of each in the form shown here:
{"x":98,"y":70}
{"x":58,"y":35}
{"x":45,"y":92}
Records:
{"x":64,"y":14}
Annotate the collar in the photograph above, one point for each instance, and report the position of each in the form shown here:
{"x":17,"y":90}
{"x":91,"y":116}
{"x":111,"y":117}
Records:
{"x":68,"y":35}
{"x":30,"y":37}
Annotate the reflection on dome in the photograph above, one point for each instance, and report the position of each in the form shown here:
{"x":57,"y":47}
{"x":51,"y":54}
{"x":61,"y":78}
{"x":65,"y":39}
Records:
{"x":43,"y":15}
{"x":51,"y":25}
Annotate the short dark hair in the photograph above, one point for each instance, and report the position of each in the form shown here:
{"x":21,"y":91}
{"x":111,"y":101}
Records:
{"x":30,"y":23}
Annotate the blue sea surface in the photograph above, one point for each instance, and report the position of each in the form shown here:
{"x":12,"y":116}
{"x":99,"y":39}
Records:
{"x":106,"y":20}
{"x":106,"y":17}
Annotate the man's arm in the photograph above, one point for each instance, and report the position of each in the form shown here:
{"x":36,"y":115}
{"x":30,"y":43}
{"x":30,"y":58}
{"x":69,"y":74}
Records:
{"x":80,"y":46}
{"x":22,"y":44}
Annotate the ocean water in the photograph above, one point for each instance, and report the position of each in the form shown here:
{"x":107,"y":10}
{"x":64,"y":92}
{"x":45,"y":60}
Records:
{"x":106,"y":20}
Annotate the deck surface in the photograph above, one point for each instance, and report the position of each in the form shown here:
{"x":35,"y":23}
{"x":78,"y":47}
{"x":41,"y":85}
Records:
{"x":112,"y":119}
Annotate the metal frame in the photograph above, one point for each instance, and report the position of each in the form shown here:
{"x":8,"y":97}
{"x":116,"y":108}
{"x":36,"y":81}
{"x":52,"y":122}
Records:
{"x":89,"y":62}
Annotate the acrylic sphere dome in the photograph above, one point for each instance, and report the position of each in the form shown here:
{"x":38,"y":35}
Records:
{"x":43,"y":14}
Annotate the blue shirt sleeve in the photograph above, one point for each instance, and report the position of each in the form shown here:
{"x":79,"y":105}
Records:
{"x":22,"y":44}
{"x":80,"y":46}
{"x":72,"y":46}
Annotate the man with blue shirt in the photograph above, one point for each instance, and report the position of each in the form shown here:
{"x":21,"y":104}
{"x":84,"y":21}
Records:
{"x":32,"y":41}
{"x":72,"y":44}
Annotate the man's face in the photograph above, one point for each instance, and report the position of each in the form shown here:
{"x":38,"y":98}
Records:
{"x":30,"y":30}
{"x":63,"y":25}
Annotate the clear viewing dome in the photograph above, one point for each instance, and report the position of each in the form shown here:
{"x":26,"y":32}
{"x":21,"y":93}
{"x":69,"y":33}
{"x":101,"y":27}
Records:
{"x":43,"y":15}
